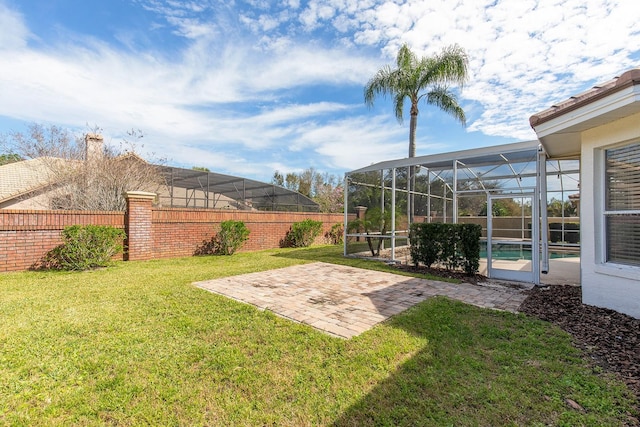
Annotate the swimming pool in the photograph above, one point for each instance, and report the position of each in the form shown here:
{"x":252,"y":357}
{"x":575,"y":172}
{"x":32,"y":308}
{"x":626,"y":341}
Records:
{"x":522,"y":252}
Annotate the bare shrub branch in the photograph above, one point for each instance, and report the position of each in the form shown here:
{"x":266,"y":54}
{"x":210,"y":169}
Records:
{"x":85,"y":174}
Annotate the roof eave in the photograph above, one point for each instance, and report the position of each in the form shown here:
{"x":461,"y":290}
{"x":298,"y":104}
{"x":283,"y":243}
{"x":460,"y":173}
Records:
{"x":628,"y":79}
{"x":559,"y":128}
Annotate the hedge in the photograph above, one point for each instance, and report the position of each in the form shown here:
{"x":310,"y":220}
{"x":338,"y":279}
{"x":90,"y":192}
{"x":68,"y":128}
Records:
{"x":453,"y":245}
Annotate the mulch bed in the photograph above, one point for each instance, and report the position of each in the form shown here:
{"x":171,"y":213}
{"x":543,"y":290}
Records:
{"x":442,"y":272}
{"x":610,"y":340}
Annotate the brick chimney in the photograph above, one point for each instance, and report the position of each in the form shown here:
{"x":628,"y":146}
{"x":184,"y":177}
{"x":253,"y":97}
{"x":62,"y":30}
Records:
{"x":93,"y":146}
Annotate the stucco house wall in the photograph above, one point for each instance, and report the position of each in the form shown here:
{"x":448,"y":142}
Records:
{"x":608,"y":285}
{"x":606,"y":117}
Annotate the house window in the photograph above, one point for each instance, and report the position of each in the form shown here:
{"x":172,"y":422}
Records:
{"x":622,"y":204}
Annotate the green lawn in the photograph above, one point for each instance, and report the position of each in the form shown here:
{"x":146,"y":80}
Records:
{"x":137,"y":344}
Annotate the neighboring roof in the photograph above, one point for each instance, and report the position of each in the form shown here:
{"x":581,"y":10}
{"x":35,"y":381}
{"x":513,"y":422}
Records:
{"x":559,"y":127}
{"x":21,"y":178}
{"x":25,"y":177}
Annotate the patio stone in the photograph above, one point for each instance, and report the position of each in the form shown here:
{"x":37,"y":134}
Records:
{"x":345,"y":301}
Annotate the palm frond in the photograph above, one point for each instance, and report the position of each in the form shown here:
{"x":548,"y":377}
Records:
{"x":383,"y":83}
{"x":414,"y":75}
{"x":398,"y":105}
{"x":446,"y":100}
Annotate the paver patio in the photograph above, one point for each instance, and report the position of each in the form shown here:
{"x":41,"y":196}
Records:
{"x":346,"y":301}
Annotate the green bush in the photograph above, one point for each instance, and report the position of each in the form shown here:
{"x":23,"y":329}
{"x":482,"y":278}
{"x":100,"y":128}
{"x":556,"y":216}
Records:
{"x":85,"y":247}
{"x":231,"y":237}
{"x":469,"y":241}
{"x":303,"y":233}
{"x":336,"y":234}
{"x":452,"y":245}
{"x":426,"y":243}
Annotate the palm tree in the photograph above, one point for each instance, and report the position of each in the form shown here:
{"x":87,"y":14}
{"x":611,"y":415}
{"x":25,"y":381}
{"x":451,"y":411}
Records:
{"x":415,"y":79}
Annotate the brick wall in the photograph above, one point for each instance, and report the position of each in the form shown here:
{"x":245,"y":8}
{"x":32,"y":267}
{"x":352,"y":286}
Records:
{"x":26,"y":236}
{"x":180,"y":232}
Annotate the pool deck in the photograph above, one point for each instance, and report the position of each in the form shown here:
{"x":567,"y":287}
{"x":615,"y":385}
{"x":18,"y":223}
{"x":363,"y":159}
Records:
{"x":346,"y":301}
{"x":562,"y":271}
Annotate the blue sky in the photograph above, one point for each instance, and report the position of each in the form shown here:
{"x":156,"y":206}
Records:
{"x":250,"y":87}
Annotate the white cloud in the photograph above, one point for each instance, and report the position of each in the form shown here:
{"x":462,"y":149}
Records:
{"x":523,"y":55}
{"x":355,"y":142}
{"x":188,"y":99}
{"x":13,"y":32}
{"x":235,"y":92}
{"x":295,"y":112}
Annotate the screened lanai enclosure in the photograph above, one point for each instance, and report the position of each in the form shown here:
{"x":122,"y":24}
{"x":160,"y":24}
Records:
{"x":527,"y":205}
{"x":191,"y":188}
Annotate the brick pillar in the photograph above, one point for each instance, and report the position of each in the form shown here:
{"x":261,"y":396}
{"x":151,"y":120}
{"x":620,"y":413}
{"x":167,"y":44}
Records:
{"x":360,"y":213}
{"x":137,"y":225}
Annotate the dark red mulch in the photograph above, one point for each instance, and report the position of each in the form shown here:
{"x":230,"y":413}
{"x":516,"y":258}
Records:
{"x":611,"y":339}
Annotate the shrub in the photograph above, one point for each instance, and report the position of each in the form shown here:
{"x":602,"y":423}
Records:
{"x":303,"y":233}
{"x":453,"y":245}
{"x":85,"y":247}
{"x":555,"y":233}
{"x":568,"y":232}
{"x":336,"y":234}
{"x":426,"y":243}
{"x":231,"y":237}
{"x":469,"y":246}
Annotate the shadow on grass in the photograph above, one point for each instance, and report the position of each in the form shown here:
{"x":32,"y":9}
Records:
{"x":420,"y":391}
{"x":480,"y":367}
{"x":483,"y":367}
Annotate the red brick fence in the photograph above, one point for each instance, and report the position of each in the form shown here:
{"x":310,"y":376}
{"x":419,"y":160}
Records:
{"x":27,"y":235}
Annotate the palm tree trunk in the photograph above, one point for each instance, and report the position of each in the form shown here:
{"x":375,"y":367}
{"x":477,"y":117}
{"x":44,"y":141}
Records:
{"x":412,"y":170}
{"x":413,"y":124}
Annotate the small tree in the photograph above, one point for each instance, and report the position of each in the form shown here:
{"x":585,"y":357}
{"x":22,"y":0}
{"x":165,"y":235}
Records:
{"x":561,"y":208}
{"x":330,"y":198}
{"x":278,"y":179}
{"x":376,"y":222}
{"x":506,"y":207}
{"x":82,"y":173}
{"x":323,"y":188}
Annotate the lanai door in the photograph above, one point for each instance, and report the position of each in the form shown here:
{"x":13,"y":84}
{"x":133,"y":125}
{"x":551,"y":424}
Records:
{"x":513,"y":251}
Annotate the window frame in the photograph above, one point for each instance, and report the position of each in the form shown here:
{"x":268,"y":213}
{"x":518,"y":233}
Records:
{"x":609,"y":213}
